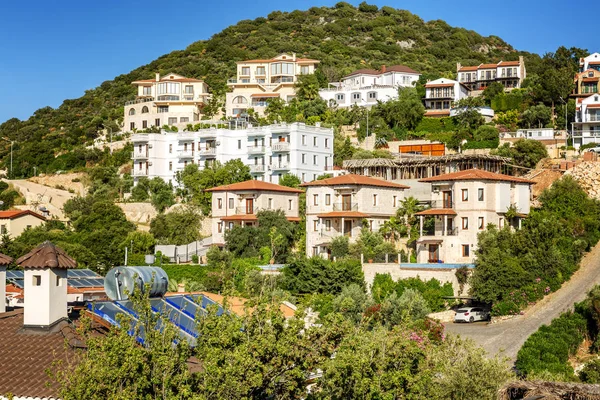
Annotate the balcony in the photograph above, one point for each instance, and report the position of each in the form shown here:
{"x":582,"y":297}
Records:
{"x":586,"y":133}
{"x":448,"y":203}
{"x":282,"y":166}
{"x":209,"y":152}
{"x":245,"y":211}
{"x":280,"y":147}
{"x":256,"y":149}
{"x":186,"y":153}
{"x":257,"y":169}
{"x":137,"y":155}
{"x":260,"y":103}
{"x":140,"y":172}
{"x":345,"y":206}
{"x":446,"y":95}
{"x":138,"y":101}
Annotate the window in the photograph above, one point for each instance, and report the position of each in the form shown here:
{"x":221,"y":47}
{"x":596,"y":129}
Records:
{"x":326,"y":143}
{"x":327,"y":199}
{"x":162,"y":109}
{"x":480,"y":194}
{"x":220,"y":227}
{"x":480,"y":223}
{"x":465,"y":223}
{"x":315,"y":251}
{"x":327,"y":224}
{"x":157,"y":122}
{"x":315,"y":199}
{"x":172,"y":120}
{"x":230,"y":227}
{"x":170,"y":165}
{"x":144,"y":110}
{"x":372,"y":95}
{"x":315,"y":225}
{"x":315,"y":141}
{"x":270,"y":203}
{"x":500,"y":223}
{"x":303,"y":140}
{"x":220,"y":203}
{"x":132,"y":111}
{"x":144,"y":124}
{"x":374,"y":199}
{"x":147,"y":91}
{"x":260,"y":71}
{"x":239,"y":144}
{"x":37,"y":280}
{"x":240,"y":100}
{"x":303,"y":158}
{"x":315,"y":161}
{"x":355,"y":96}
{"x":465,"y":250}
{"x":290,"y":204}
{"x":132,"y":125}
{"x":465,"y":194}
{"x":168,"y":88}
{"x":339,"y":97}
{"x":170,"y":149}
{"x":245,"y":71}
{"x":231,"y":202}
{"x":305,"y":70}
{"x":282,"y":69}
{"x":184,"y":119}
{"x":58,"y":281}
{"x":303,"y":177}
{"x":395,"y":199}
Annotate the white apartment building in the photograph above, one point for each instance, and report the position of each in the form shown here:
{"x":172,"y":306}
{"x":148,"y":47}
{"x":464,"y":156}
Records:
{"x":238,"y":203}
{"x":586,"y":128}
{"x":440,"y":95}
{"x":476,"y":78}
{"x":590,"y":62}
{"x":337,"y":206}
{"x":270,"y":151}
{"x":172,"y":100}
{"x":365,"y":87}
{"x":462,"y":205}
{"x":258,"y":81}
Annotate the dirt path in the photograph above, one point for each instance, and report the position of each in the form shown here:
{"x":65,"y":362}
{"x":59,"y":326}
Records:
{"x":508,"y":336}
{"x":37,"y":195}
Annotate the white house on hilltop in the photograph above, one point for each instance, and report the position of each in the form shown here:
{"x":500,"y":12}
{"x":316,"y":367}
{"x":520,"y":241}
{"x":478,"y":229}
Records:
{"x":440,"y":95}
{"x":172,"y":100}
{"x":367,"y":86}
{"x":586,"y":128}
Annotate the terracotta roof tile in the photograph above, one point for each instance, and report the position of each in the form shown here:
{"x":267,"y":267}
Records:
{"x":47,"y":255}
{"x":5,"y":260}
{"x":487,"y":66}
{"x":26,"y":356}
{"x":437,"y":112}
{"x":400,"y":68}
{"x":475,"y":175}
{"x":509,"y":63}
{"x":437,"y":211}
{"x":430,"y":85}
{"x":12,"y":214}
{"x":254,"y":185}
{"x":472,"y":68}
{"x":343,"y":214}
{"x":352,"y":179}
{"x":363,"y":71}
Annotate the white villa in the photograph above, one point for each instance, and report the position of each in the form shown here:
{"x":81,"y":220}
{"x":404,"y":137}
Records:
{"x":586,"y":128}
{"x":365,"y":87}
{"x":172,"y":100}
{"x":440,"y":95}
{"x":509,"y":73}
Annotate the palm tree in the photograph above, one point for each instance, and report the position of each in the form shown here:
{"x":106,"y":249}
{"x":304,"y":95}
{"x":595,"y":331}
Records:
{"x":406,"y":213}
{"x":392,"y":229}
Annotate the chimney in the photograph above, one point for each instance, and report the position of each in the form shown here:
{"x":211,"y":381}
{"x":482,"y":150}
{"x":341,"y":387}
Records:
{"x":45,"y":285}
{"x":4,"y":262}
{"x":458,"y":66}
{"x":157,"y":77}
{"x":294,"y":56}
{"x":383,"y":69}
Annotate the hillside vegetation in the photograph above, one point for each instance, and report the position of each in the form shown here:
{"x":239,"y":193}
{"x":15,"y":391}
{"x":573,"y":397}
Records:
{"x":343,"y":37}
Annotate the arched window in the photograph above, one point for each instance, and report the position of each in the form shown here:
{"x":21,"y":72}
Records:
{"x":144,"y":110}
{"x":240,"y":100}
{"x":132,"y":111}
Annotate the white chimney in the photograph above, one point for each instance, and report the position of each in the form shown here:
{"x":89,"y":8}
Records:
{"x":294,"y":56}
{"x":2,"y":289}
{"x":157,"y":77}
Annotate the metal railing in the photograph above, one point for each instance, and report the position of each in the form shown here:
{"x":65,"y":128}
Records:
{"x":256,"y":149}
{"x":138,"y":101}
{"x":185,"y":153}
{"x":441,"y":204}
{"x":139,"y":154}
{"x":280,"y":166}
{"x":585,"y":133}
{"x":211,"y":151}
{"x":244,"y":210}
{"x":258,"y":168}
{"x":281,"y":146}
{"x":140,"y":172}
{"x":260,"y":103}
{"x":345,"y":206}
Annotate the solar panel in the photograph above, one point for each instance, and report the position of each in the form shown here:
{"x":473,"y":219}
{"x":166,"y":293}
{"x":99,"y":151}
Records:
{"x":17,"y":274}
{"x":81,"y":273}
{"x":17,"y":282}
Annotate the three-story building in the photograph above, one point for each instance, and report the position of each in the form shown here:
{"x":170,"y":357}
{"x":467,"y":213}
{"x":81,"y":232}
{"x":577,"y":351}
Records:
{"x":440,"y":96}
{"x":476,"y":78}
{"x":586,"y":127}
{"x":259,"y":81}
{"x":337,"y":206}
{"x":172,"y":100}
{"x":462,"y":205}
{"x":238,"y":204}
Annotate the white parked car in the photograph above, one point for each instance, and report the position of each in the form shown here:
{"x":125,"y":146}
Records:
{"x":594,"y":149}
{"x":471,"y":314}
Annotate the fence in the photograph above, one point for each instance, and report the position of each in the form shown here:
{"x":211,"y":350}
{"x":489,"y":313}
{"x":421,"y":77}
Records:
{"x":185,"y":252}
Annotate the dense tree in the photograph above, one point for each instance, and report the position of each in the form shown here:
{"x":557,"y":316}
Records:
{"x":317,"y":275}
{"x":524,"y":152}
{"x":180,"y":226}
{"x":538,"y":116}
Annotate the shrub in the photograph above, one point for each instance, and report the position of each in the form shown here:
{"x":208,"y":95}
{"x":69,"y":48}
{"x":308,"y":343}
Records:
{"x":591,"y":372}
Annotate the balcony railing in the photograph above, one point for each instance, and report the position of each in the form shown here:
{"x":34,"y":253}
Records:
{"x":260,"y":103}
{"x":257,"y":169}
{"x":245,"y":211}
{"x":140,"y":172}
{"x":439,"y":233}
{"x":585,"y":133}
{"x":211,"y":151}
{"x":281,"y":146}
{"x":186,"y":153}
{"x":441,"y":204}
{"x":256,"y":149}
{"x":280,"y":166}
{"x":345,"y":206}
{"x":139,"y":154}
{"x":138,"y":101}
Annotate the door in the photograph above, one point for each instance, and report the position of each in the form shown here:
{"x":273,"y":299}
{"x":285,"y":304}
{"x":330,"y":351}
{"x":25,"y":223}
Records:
{"x":434,"y":253}
{"x":348,"y":228}
{"x":193,"y":145}
{"x":447,"y":199}
{"x":249,"y":206}
{"x":346,"y":202}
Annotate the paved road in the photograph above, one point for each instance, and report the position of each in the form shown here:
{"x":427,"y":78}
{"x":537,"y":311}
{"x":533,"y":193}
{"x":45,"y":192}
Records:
{"x":508,"y":336}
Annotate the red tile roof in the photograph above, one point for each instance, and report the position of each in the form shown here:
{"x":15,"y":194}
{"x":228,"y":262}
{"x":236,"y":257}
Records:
{"x":437,"y":112}
{"x":473,"y":68}
{"x":353,"y":179}
{"x":509,"y":63}
{"x":12,"y":214}
{"x":343,"y":214}
{"x":593,"y":106}
{"x":429,"y":85}
{"x":47,"y":255}
{"x":166,"y":79}
{"x":595,"y":79}
{"x":298,"y":60}
{"x":5,"y":260}
{"x":393,"y":68}
{"x":475,"y":175}
{"x":255,"y":185}
{"x":437,"y":211}
{"x":363,"y":71}
{"x":26,"y":355}
{"x":400,"y":68}
{"x":265,"y":95}
{"x":487,"y":66}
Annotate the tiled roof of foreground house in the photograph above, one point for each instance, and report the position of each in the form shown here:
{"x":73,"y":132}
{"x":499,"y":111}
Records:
{"x":12,"y":214}
{"x":254,"y":185}
{"x":27,"y":354}
{"x":475,"y":175}
{"x":352,"y":179}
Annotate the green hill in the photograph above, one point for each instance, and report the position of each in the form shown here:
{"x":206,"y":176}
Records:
{"x":343,"y":37}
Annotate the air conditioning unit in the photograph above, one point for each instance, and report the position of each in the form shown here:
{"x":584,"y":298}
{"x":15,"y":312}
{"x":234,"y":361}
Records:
{"x":435,"y":189}
{"x":149,"y":146}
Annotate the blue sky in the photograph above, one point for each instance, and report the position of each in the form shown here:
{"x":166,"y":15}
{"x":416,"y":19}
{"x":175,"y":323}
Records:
{"x":55,"y":50}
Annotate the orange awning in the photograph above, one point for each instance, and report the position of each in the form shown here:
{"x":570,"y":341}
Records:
{"x":343,"y":214}
{"x":437,"y":211}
